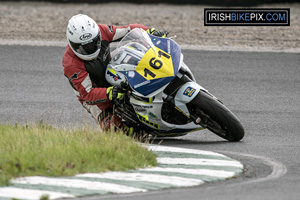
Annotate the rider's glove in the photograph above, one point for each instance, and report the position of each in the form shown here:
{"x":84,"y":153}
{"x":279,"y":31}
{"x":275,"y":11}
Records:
{"x":115,"y":92}
{"x":158,"y":33}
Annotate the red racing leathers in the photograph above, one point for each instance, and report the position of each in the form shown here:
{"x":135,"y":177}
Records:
{"x":88,"y":77}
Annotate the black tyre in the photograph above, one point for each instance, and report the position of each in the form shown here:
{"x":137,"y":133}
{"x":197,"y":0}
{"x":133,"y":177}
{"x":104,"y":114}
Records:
{"x":216,"y":117}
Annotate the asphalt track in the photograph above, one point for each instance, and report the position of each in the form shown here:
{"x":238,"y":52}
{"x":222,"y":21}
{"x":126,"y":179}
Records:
{"x":261,"y":88}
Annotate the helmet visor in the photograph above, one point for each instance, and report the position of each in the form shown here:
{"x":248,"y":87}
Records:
{"x":87,"y":48}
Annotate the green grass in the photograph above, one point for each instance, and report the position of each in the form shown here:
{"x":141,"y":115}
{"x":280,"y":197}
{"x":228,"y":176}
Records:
{"x":46,"y":151}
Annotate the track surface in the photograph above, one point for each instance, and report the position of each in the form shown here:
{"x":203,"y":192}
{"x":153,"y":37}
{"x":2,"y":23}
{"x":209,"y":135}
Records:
{"x":262,"y":89}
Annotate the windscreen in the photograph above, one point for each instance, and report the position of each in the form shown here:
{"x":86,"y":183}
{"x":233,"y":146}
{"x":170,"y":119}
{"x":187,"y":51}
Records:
{"x":131,"y":48}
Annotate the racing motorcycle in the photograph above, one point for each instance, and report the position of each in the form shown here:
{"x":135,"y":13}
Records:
{"x":163,"y":97}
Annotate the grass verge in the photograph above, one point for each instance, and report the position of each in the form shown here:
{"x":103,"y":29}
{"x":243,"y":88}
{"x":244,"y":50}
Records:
{"x":46,"y":151}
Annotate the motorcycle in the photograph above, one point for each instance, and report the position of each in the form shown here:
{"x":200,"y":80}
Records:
{"x":163,"y":97}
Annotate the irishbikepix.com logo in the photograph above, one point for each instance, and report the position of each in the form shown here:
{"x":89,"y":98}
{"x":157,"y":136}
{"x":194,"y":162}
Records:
{"x":247,"y":17}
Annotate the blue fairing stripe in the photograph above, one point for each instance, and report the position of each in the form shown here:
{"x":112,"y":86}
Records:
{"x":169,"y":46}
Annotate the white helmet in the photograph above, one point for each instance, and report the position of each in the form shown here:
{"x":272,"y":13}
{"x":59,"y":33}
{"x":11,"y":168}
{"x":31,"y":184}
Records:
{"x":83,"y":35}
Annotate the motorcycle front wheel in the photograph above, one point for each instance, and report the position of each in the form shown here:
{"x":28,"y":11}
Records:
{"x":216,"y":117}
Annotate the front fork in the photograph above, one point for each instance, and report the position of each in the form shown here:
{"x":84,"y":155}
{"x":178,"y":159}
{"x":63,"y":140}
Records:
{"x":184,"y":94}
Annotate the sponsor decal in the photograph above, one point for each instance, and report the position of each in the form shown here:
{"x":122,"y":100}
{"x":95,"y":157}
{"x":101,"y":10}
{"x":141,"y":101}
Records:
{"x":142,"y":106}
{"x":182,"y":112}
{"x":85,"y":36}
{"x":131,"y":74}
{"x":114,"y":76}
{"x":146,"y":121}
{"x":110,"y":28}
{"x":117,"y":56}
{"x":189,"y":91}
{"x":139,"y":109}
{"x":141,"y":84}
{"x":169,"y":46}
{"x":96,"y":102}
{"x":70,"y":31}
{"x":247,"y":17}
{"x":153,"y":116}
{"x":126,"y":59}
{"x":105,"y":54}
{"x":74,"y":76}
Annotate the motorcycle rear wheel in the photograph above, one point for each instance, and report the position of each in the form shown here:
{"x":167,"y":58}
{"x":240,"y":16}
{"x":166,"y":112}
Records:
{"x":218,"y":118}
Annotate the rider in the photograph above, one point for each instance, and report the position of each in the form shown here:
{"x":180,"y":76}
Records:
{"x":85,"y":60}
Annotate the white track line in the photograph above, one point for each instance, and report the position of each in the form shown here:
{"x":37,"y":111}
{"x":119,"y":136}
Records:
{"x":197,"y":161}
{"x":76,"y":183}
{"x":278,"y":169}
{"x":183,"y":46}
{"x":172,"y":180}
{"x":205,"y":172}
{"x":182,"y":150}
{"x":19,"y":193}
{"x":240,"y":48}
